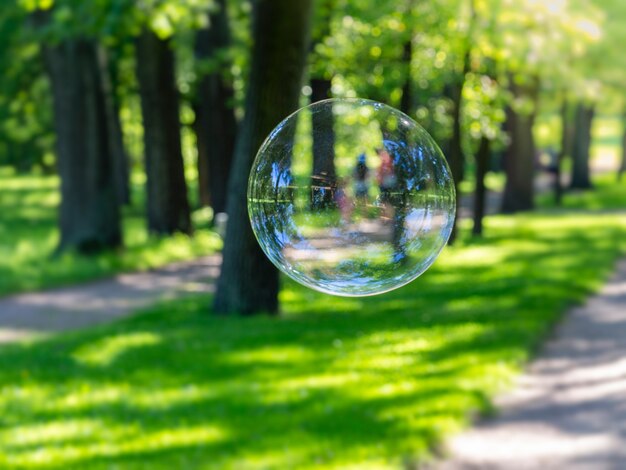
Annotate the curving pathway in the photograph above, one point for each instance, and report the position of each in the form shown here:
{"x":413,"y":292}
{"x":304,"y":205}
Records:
{"x":569,"y":409}
{"x":26,"y":315}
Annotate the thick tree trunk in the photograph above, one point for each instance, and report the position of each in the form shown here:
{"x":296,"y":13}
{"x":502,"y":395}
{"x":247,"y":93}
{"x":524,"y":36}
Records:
{"x":519,"y":158}
{"x":167,"y":203}
{"x":482,"y":166}
{"x":581,"y":173}
{"x":116,"y":139}
{"x":216,"y":126}
{"x":89,"y":212}
{"x":248,"y":281}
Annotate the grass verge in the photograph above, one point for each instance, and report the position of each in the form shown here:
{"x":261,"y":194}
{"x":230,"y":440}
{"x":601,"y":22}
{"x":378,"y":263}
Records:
{"x":332,"y":383}
{"x":29,"y":235}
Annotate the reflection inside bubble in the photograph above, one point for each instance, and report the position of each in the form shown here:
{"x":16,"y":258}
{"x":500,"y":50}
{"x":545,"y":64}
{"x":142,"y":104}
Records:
{"x":351,"y":197}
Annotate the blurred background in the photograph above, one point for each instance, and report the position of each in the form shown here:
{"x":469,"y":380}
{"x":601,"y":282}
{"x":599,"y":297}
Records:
{"x":127,"y":131}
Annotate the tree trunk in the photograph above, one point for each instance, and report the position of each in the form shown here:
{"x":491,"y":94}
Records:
{"x":519,"y":158}
{"x":581,"y":173}
{"x":248,"y":281}
{"x":482,"y":166}
{"x":566,"y":148}
{"x":89,"y":212}
{"x":216,"y":126}
{"x":406,"y":104}
{"x":168,"y":206}
{"x":324,"y":172}
{"x":116,"y":139}
{"x":622,"y":167}
{"x":454,"y":154}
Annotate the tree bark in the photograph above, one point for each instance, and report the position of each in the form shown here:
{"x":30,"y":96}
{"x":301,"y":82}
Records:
{"x":89,"y":212}
{"x":216,"y":125}
{"x":563,"y":152}
{"x":482,"y":166}
{"x":248,"y":281}
{"x":108,"y":71}
{"x":519,"y":158}
{"x":324,"y":172}
{"x":581,"y":173}
{"x":406,"y":103}
{"x":454,"y":154}
{"x":622,"y":167}
{"x":167,"y":203}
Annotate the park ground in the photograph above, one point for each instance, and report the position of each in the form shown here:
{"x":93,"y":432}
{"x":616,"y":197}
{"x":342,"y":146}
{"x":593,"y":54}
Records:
{"x":332,"y":383}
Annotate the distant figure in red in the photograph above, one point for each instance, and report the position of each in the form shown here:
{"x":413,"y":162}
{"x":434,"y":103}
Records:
{"x":386,"y":179}
{"x":343,"y":201}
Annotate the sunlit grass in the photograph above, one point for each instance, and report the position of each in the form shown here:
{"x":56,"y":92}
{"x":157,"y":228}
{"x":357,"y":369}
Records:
{"x":29,"y":236}
{"x":333,"y":383}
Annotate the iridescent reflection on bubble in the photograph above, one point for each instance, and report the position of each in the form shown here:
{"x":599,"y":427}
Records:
{"x":351,"y":197}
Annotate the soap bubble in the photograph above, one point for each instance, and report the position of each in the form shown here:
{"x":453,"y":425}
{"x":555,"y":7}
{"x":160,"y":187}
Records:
{"x":351,"y":197}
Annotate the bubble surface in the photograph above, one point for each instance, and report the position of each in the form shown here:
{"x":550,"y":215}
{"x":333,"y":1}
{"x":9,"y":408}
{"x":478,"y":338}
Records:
{"x":351,"y":197}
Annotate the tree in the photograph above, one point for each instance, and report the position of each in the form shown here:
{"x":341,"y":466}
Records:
{"x":454,"y":147}
{"x":622,"y":166}
{"x":167,"y":203}
{"x":248,"y":282}
{"x":482,"y":166}
{"x":581,"y":172}
{"x":519,"y":159}
{"x":215,"y":125}
{"x":564,"y":151}
{"x":121,"y":164}
{"x":89,"y":212}
{"x":321,"y":89}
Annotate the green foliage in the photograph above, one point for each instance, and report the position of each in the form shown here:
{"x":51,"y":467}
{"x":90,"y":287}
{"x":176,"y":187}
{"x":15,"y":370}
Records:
{"x":25,"y":109}
{"x":334,"y":383}
{"x":28,"y":237}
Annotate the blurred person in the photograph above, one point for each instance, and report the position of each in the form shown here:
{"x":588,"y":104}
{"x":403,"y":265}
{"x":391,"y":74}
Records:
{"x":361,"y":175}
{"x":387,"y":181}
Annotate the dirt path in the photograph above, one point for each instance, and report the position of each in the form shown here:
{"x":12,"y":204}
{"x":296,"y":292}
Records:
{"x":26,"y":315}
{"x":569,"y":410}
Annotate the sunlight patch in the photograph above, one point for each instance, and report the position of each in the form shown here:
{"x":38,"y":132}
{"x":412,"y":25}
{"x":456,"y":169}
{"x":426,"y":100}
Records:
{"x":107,"y":350}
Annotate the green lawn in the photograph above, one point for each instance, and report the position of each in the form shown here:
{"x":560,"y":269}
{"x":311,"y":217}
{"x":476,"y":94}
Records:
{"x":332,"y":383}
{"x":29,"y":235}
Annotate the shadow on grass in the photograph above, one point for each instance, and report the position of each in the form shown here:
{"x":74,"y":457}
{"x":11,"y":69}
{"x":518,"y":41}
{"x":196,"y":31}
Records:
{"x":332,"y":382}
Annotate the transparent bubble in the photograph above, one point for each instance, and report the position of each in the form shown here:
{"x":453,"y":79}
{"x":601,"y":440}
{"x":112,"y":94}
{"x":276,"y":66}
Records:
{"x":351,"y":197}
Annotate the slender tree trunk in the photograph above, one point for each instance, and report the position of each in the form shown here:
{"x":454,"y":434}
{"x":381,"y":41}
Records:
{"x":324,"y":172}
{"x":89,"y":212}
{"x":622,"y":167}
{"x":168,"y":206}
{"x":248,"y":281}
{"x":108,"y":71}
{"x":482,"y":167}
{"x":406,"y":104}
{"x":454,"y":154}
{"x":566,"y":147}
{"x":216,"y":125}
{"x":581,"y":172}
{"x":519,"y":159}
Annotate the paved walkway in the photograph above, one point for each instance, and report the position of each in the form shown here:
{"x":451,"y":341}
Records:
{"x":26,"y":315}
{"x":569,"y":410}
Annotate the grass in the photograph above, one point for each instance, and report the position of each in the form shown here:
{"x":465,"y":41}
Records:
{"x":29,"y":235}
{"x":333,"y":383}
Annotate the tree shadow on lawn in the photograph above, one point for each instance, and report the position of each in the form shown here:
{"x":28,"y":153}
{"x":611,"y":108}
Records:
{"x":333,"y":380}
